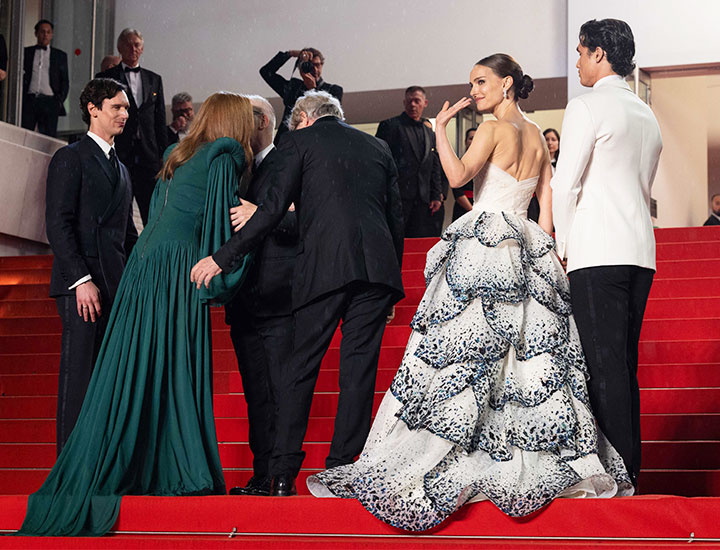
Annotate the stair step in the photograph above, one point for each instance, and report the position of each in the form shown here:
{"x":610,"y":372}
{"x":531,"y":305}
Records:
{"x":660,"y":455}
{"x":691,"y":250}
{"x":655,"y":427}
{"x":685,"y":234}
{"x":26,"y":262}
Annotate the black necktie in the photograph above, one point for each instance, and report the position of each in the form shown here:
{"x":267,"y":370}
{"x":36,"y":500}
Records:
{"x":132,"y":69}
{"x":114,"y":162}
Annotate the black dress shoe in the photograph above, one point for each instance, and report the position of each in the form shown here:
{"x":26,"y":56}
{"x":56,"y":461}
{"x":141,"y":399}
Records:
{"x":283,"y":486}
{"x":256,"y":486}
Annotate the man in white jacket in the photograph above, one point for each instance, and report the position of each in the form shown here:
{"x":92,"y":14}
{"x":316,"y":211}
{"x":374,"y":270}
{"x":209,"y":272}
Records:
{"x":601,"y":211}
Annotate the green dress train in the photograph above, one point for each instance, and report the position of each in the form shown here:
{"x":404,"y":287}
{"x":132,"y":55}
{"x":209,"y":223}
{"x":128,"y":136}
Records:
{"x":146,"y":425}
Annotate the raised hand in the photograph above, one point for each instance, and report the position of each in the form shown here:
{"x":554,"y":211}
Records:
{"x":447,"y":113}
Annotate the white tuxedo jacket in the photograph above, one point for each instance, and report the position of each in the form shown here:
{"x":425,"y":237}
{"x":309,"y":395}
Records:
{"x":601,"y":188}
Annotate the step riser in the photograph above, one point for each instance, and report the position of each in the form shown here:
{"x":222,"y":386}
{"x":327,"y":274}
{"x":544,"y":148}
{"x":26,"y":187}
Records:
{"x":229,"y":381}
{"x":686,"y":427}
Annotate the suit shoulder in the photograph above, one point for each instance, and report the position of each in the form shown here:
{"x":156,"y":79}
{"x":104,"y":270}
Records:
{"x":152,"y":73}
{"x":58,"y":52}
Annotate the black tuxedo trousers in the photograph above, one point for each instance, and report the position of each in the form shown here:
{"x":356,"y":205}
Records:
{"x":609,"y":304}
{"x":363,"y":308}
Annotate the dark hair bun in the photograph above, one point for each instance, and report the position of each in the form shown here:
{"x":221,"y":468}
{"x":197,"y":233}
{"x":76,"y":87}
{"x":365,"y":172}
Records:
{"x":524,"y":87}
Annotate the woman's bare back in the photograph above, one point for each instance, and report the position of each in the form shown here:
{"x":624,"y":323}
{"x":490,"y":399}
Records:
{"x":520,"y":149}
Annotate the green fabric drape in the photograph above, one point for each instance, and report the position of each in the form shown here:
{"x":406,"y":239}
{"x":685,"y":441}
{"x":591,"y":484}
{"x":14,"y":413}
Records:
{"x":147,"y":425}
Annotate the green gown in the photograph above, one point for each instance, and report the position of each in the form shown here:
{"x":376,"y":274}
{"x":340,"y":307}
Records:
{"x":146,"y":426}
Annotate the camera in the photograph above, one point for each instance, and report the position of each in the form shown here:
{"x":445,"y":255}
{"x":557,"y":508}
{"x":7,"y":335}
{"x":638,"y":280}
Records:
{"x":307,"y":67}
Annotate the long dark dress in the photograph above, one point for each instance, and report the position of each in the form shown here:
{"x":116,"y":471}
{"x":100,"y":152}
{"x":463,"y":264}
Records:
{"x":146,"y":425}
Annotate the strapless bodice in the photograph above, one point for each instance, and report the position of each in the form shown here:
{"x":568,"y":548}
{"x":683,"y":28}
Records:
{"x":495,"y":190}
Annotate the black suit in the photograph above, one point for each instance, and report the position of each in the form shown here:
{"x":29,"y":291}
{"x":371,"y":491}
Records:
{"x":290,"y":90}
{"x":141,"y":146}
{"x":343,"y":183}
{"x":420,"y":175}
{"x":42,"y":110}
{"x":91,"y":232}
{"x":712,"y":220}
{"x":171,"y":135}
{"x":261,"y":321}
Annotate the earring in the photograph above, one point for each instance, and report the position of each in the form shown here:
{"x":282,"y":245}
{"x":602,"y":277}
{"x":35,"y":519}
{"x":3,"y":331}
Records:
{"x":504,"y":93}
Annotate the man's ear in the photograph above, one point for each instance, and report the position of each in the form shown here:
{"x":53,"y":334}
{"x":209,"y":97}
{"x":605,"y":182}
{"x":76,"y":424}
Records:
{"x":264,"y":122}
{"x":598,"y":54}
{"x":92,"y":109}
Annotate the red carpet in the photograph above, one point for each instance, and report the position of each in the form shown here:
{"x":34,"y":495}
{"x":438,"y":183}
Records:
{"x":679,"y":376}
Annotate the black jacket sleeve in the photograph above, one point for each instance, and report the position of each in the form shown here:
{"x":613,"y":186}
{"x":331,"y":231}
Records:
{"x":436,"y":176}
{"x":268,"y":72}
{"x":3,"y":54}
{"x":394,"y":212}
{"x":64,"y":77}
{"x":160,"y":125}
{"x":62,"y":196}
{"x":283,"y":190}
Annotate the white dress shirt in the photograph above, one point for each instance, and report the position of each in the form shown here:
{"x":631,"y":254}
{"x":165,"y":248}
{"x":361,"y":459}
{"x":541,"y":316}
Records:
{"x":611,"y":144}
{"x":134,"y":83}
{"x":106,"y":147}
{"x":40,"y":79}
{"x":259,"y":157}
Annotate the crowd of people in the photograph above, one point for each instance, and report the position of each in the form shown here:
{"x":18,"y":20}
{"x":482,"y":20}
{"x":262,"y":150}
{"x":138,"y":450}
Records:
{"x":516,"y":385}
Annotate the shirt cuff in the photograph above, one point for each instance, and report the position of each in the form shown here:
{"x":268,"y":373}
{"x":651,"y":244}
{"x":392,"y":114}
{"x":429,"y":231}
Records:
{"x":81,"y":281}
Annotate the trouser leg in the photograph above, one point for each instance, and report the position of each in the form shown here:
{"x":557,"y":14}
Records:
{"x":143,"y":184}
{"x":29,"y":116}
{"x":363,"y":324}
{"x":601,"y":305}
{"x":420,"y":222}
{"x":640,"y":283}
{"x":80,"y":345}
{"x":253,"y":367}
{"x":315,"y":324}
{"x":47,"y":115}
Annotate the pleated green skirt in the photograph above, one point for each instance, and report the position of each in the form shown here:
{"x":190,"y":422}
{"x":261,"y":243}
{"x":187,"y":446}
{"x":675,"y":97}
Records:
{"x":146,"y":425}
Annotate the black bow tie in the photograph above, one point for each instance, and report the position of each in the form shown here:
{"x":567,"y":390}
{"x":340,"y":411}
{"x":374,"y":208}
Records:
{"x":39,"y":47}
{"x":132,"y":69}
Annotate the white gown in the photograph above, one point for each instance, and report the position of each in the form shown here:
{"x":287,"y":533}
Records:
{"x":490,"y":401}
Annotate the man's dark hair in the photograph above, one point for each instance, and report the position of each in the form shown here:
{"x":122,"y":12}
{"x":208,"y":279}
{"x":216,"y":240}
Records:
{"x":467,"y":132}
{"x":96,"y":91}
{"x":44,"y":22}
{"x":413,"y":89}
{"x":615,"y":38}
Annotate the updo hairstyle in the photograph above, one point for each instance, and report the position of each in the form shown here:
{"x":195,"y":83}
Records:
{"x":503,"y":65}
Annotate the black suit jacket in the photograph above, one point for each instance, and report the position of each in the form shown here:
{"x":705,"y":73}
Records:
{"x":59,"y":80}
{"x":419,"y":171}
{"x":290,"y":90}
{"x":344,"y":185}
{"x":267,"y":291}
{"x":88,"y":215}
{"x":171,"y":136}
{"x":712,"y":220}
{"x":145,"y":137}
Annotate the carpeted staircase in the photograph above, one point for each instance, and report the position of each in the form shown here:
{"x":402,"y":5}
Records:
{"x":679,"y":376}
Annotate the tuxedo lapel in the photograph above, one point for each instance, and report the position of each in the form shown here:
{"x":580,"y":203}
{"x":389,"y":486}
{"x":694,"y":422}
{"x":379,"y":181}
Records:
{"x":146,"y":86}
{"x":100,"y":158}
{"x":428,"y":142}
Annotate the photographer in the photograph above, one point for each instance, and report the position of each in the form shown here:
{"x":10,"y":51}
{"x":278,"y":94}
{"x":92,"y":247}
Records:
{"x":309,"y":64}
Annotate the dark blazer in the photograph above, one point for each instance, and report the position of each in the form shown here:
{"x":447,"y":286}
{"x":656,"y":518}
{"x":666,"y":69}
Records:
{"x":290,"y":90}
{"x":344,"y":185}
{"x":712,"y":220}
{"x":88,"y":216}
{"x":3,"y":54}
{"x":171,"y":136}
{"x":419,"y":171}
{"x":145,"y":135}
{"x":267,"y":291}
{"x":59,"y":80}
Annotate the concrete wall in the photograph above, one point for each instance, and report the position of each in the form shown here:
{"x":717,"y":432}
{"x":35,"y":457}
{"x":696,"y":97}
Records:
{"x":26,"y":156}
{"x":681,"y":107}
{"x":201,"y":47}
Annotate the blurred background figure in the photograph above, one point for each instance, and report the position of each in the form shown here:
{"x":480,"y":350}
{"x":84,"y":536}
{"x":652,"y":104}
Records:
{"x":45,"y":82}
{"x":464,"y":195}
{"x":109,"y":61}
{"x":310,"y":64}
{"x":412,"y":142}
{"x":182,"y":113}
{"x":714,"y":218}
{"x":552,"y":138}
{"x":141,"y":146}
